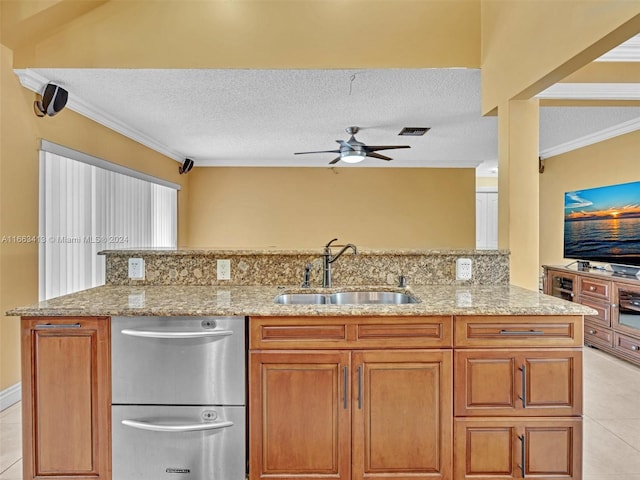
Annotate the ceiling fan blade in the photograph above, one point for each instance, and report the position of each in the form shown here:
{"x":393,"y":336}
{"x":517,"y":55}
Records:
{"x":371,"y":148}
{"x":377,"y":155}
{"x":319,"y":151}
{"x":335,"y":160}
{"x":345,"y":144}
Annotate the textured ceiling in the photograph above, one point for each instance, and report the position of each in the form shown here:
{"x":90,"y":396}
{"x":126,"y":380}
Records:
{"x":261,"y":117}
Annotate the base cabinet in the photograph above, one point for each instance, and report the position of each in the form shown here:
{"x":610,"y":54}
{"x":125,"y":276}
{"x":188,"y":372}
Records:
{"x":504,"y":448}
{"x":351,"y":415}
{"x":66,"y":398}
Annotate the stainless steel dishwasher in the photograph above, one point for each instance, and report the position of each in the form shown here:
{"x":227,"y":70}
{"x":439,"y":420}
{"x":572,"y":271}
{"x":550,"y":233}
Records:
{"x":178,"y":398}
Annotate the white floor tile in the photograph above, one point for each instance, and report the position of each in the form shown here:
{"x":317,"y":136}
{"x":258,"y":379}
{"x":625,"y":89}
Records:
{"x":10,"y":444}
{"x":13,"y":414}
{"x":606,"y":454}
{"x":14,"y":472}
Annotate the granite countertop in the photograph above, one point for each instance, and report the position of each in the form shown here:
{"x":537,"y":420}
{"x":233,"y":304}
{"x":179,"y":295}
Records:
{"x":259,"y":301}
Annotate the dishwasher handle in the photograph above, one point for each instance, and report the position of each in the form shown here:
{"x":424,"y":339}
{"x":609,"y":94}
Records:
{"x":133,"y":332}
{"x":163,"y":427}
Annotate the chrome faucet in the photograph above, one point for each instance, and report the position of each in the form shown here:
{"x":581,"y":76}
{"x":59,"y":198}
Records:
{"x":328,"y":259}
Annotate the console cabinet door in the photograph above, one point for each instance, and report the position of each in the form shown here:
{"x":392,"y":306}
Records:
{"x":518,"y":382}
{"x":502,"y":448}
{"x":300,"y":415}
{"x":402,"y":415}
{"x":66,"y":398}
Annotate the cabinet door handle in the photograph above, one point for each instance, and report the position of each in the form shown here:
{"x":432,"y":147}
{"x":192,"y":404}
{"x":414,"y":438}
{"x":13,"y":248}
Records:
{"x":521,"y":332}
{"x":635,"y":348}
{"x":592,"y":332}
{"x":360,"y":387}
{"x":523,"y":455}
{"x":345,"y":387}
{"x":44,"y":326}
{"x":523,"y":371}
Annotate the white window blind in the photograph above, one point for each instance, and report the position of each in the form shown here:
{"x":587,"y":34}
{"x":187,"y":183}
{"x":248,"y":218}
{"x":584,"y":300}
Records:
{"x":86,"y":208}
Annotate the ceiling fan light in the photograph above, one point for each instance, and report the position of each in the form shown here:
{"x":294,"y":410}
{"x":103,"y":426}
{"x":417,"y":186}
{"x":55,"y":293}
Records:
{"x":352,"y":156}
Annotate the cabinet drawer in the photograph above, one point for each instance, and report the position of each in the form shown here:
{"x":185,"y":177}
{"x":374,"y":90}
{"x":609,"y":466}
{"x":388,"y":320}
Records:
{"x":520,"y":331}
{"x":603,"y":316}
{"x":594,"y":288}
{"x":627,"y":345}
{"x":350,"y":332}
{"x":595,"y":334}
{"x":508,"y":382}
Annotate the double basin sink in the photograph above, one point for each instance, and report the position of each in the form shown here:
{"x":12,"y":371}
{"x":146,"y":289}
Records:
{"x":346,"y":298}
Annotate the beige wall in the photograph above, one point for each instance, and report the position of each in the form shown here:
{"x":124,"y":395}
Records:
{"x":605,"y":163}
{"x":266,"y":34}
{"x":484,"y":182}
{"x":547,"y":41}
{"x":307,"y":207}
{"x":20,"y":131}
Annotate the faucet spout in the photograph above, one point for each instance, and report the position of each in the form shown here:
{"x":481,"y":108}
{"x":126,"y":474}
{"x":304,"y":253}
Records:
{"x":328,"y":258}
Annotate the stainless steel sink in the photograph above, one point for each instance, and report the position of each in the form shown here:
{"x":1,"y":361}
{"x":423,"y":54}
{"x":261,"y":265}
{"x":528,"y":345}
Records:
{"x":367,"y":298}
{"x":301,"y":298}
{"x":345,"y":298}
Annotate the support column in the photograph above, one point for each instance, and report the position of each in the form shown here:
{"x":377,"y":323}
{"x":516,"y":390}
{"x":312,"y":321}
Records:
{"x":518,"y":189}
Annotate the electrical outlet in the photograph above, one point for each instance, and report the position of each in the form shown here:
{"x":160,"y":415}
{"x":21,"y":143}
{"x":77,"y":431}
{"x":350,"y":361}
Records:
{"x":463,"y":269}
{"x":224,"y":269}
{"x":136,"y":268}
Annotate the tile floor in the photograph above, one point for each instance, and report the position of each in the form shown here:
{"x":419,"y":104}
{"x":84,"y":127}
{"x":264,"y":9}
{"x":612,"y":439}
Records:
{"x":611,"y":422}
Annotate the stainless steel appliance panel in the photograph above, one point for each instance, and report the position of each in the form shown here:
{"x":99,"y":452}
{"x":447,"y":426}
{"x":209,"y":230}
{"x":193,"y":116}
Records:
{"x":178,"y":360}
{"x":178,"y":443}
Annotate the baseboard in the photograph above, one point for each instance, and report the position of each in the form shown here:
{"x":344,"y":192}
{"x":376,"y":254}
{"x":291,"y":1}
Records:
{"x":10,"y":395}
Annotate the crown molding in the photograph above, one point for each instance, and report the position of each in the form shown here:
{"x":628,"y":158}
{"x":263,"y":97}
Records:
{"x":607,"y":133}
{"x":628,"y":51}
{"x":36,"y":82}
{"x":592,"y":91}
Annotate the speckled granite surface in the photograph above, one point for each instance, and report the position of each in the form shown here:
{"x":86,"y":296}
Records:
{"x":259,"y":300}
{"x":286,"y":267}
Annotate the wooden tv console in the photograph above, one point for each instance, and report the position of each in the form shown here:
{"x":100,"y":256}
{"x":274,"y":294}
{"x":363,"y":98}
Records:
{"x":616,"y":327}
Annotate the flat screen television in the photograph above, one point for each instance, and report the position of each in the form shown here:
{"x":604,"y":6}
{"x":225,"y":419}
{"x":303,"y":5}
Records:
{"x":603,"y":225}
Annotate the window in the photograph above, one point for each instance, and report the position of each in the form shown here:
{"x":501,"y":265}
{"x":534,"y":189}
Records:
{"x":88,"y":205}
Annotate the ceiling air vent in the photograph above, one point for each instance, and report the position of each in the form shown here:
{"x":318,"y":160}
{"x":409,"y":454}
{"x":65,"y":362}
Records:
{"x":413,"y":131}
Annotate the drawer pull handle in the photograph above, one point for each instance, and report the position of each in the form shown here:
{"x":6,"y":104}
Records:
{"x":523,"y":371}
{"x":521,"y":332}
{"x":132,"y":332}
{"x":592,"y":288}
{"x":592,"y":332}
{"x":160,"y":427}
{"x":45,"y":326}
{"x":523,"y":453}
{"x":635,"y":348}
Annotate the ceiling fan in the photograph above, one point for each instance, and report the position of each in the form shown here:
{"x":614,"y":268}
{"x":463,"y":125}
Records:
{"x":353,"y":151}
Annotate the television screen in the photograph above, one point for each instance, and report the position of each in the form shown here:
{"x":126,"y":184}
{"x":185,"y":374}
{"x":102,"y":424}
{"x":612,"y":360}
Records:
{"x":603,"y":224}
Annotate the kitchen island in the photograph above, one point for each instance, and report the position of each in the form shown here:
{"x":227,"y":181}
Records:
{"x":474,"y":381}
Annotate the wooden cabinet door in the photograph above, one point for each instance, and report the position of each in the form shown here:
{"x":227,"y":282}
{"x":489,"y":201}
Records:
{"x":502,"y":448}
{"x":66,"y":397}
{"x":300,"y":415}
{"x":518,"y":382}
{"x":402,"y":415}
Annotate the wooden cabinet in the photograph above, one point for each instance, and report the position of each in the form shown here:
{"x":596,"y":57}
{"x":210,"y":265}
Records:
{"x":66,"y":397}
{"x":402,"y":418}
{"x":350,"y":413}
{"x":506,"y":448}
{"x":518,"y":397}
{"x":615,"y":327}
{"x":526,"y":382}
{"x":301,"y":414}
